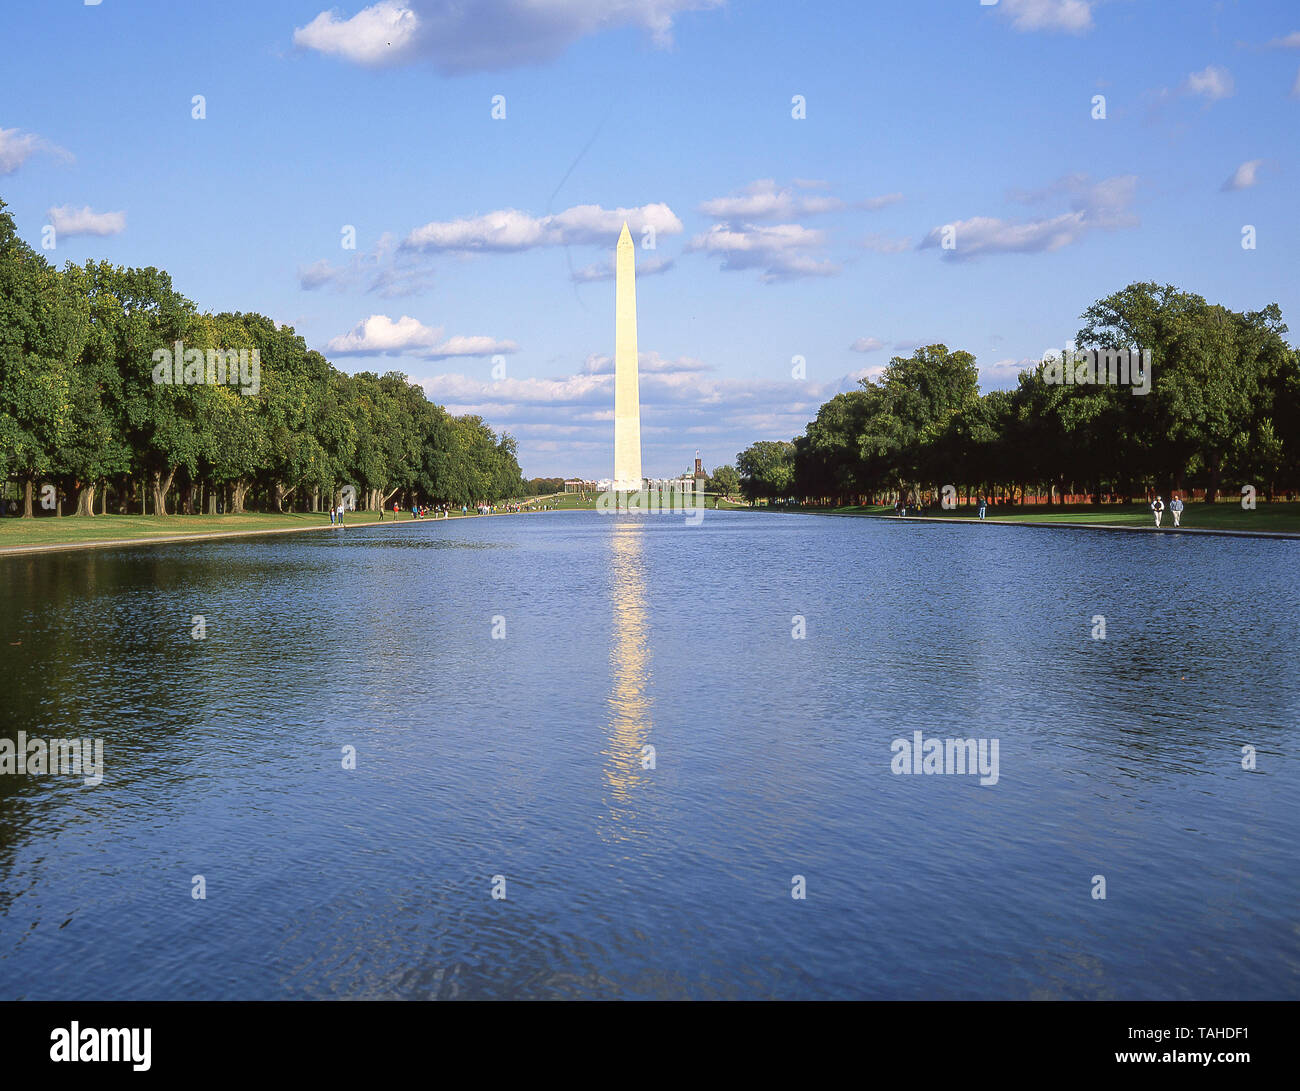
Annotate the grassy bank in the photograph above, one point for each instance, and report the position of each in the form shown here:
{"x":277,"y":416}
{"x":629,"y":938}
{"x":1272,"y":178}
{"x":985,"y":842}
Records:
{"x":1282,"y":518}
{"x":51,"y":532}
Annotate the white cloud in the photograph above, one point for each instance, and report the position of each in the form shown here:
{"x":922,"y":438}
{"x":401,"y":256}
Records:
{"x":68,"y":221}
{"x":1213,"y":82}
{"x":382,"y":34}
{"x":1104,"y":205}
{"x":1068,"y":16}
{"x":782,"y":251}
{"x":1006,"y":370}
{"x":509,"y":230}
{"x":873,"y":373}
{"x":1287,"y":41}
{"x":1295,"y":87}
{"x":988,"y":234}
{"x":461,"y":345}
{"x":867,"y":344}
{"x":380,"y":335}
{"x":763,"y":200}
{"x":1244,"y":176}
{"x":457,"y":37}
{"x":16,"y":147}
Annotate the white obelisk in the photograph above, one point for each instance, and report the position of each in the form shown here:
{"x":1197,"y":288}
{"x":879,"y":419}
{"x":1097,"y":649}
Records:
{"x":627,"y":397}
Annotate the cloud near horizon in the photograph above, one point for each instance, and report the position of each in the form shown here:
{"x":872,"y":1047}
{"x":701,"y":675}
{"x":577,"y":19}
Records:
{"x":69,"y":221}
{"x":682,"y":407}
{"x":1105,"y":205}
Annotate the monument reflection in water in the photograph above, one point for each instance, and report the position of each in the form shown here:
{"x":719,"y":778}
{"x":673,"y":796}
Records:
{"x":629,"y":697}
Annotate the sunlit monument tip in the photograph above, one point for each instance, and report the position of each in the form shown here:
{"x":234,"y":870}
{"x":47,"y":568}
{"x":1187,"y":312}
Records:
{"x":627,"y":398}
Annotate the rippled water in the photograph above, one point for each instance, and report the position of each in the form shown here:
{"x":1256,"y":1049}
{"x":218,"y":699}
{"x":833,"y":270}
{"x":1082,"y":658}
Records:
{"x":523,"y":757}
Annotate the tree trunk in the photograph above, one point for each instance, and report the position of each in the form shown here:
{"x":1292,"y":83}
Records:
{"x":161,"y":486}
{"x":282,"y":494}
{"x":238,"y":490}
{"x":27,"y":498}
{"x":86,"y":500}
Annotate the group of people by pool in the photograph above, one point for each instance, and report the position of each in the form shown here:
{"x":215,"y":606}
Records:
{"x":903,"y":507}
{"x":443,"y":511}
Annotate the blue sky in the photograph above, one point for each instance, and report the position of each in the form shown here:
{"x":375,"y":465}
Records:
{"x":775,"y":237}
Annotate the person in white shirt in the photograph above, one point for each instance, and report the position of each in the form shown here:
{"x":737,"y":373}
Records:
{"x":1158,"y":506}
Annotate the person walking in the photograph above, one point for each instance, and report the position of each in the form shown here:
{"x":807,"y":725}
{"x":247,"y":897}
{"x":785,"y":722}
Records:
{"x":981,"y":507}
{"x":331,"y":515}
{"x":340,"y":513}
{"x":1176,"y":507}
{"x":1158,"y":507}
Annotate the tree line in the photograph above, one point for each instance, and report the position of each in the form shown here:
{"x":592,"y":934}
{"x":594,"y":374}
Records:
{"x":1221,"y":411}
{"x":86,"y":405}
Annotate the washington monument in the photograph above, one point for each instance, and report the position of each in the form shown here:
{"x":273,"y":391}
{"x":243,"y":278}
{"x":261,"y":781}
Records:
{"x":627,"y":397}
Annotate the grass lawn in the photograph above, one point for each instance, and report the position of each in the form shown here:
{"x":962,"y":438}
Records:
{"x":1281,"y":518}
{"x":48,"y":530}
{"x":68,"y":530}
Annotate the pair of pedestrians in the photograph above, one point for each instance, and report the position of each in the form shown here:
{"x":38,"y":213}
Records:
{"x":1175,"y":509}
